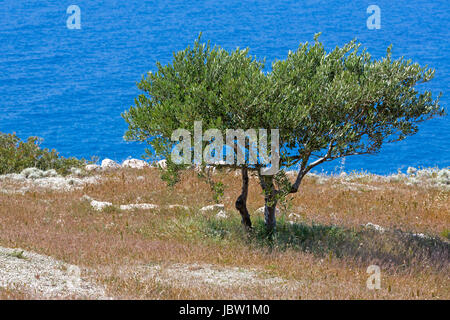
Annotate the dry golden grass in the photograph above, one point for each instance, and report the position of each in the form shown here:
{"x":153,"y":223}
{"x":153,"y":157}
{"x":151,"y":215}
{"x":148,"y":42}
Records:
{"x":324,"y":255}
{"x":15,"y":294}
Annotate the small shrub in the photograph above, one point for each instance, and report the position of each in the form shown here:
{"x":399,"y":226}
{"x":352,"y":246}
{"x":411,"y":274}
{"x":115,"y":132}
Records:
{"x":17,"y":254}
{"x":17,"y":155}
{"x":446,"y":234}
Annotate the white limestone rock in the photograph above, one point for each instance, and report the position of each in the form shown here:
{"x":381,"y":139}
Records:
{"x":92,"y":167}
{"x":175,"y":206}
{"x":135,"y":164}
{"x":375,"y":227}
{"x":13,"y":176}
{"x":108,"y":164}
{"x":221,"y":215}
{"x":35,"y":173}
{"x":143,"y":206}
{"x":162,"y":164}
{"x":76,"y":171}
{"x":420,"y":235}
{"x":100,"y":205}
{"x":218,"y":206}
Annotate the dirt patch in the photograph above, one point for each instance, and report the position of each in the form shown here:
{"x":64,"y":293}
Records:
{"x":194,"y":275}
{"x":44,"y":276}
{"x":211,"y":280}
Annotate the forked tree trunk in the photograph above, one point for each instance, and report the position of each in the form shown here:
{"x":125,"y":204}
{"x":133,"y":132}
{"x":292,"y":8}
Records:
{"x":241,"y":202}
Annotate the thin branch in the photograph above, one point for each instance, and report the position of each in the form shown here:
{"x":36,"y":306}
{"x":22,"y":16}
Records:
{"x":305,"y":169}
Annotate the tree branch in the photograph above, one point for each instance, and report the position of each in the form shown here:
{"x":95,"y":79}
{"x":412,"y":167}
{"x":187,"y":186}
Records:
{"x":305,"y":169}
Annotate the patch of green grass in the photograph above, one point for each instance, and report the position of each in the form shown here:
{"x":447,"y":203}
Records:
{"x":318,"y":239}
{"x":112,"y":209}
{"x":18,"y":254}
{"x":446,"y":234}
{"x":391,"y":250}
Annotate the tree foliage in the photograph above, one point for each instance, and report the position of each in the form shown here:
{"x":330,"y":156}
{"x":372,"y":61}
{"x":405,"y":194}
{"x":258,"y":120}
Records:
{"x":326,"y":105}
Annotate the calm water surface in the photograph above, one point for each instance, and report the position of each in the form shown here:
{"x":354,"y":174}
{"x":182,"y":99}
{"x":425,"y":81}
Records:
{"x":70,"y":86}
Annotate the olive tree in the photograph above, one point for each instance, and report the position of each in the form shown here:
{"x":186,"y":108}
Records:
{"x":326,"y":105}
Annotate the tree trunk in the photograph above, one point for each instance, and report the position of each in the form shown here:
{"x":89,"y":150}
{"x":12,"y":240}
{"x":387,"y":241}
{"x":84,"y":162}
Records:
{"x":269,"y":217}
{"x":270,"y":202}
{"x":241,"y":202}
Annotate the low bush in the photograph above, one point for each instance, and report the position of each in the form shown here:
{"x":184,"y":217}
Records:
{"x":17,"y":155}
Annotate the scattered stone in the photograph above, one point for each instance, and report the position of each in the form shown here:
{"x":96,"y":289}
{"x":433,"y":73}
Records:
{"x":86,"y":198}
{"x":35,"y":173}
{"x":13,"y":176}
{"x":162,"y":164}
{"x":381,"y":230}
{"x":143,"y":206}
{"x":420,"y":235}
{"x":174,"y":206}
{"x":428,"y":177}
{"x":35,"y":179}
{"x":221,"y":215}
{"x":108,"y":164}
{"x":92,"y":167}
{"x":65,"y":183}
{"x":443,"y":177}
{"x":100,"y":205}
{"x":294,"y":216}
{"x":76,"y":171}
{"x":213,"y":207}
{"x":375,"y":226}
{"x":135,"y":164}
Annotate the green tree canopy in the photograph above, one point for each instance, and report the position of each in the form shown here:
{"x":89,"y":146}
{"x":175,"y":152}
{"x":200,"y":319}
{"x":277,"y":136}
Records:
{"x":326,"y":105}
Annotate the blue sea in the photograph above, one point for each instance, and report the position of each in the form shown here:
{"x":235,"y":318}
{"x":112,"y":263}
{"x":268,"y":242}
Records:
{"x":70,"y":86}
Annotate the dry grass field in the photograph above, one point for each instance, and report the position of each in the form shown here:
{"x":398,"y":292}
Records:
{"x":321,"y":250}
